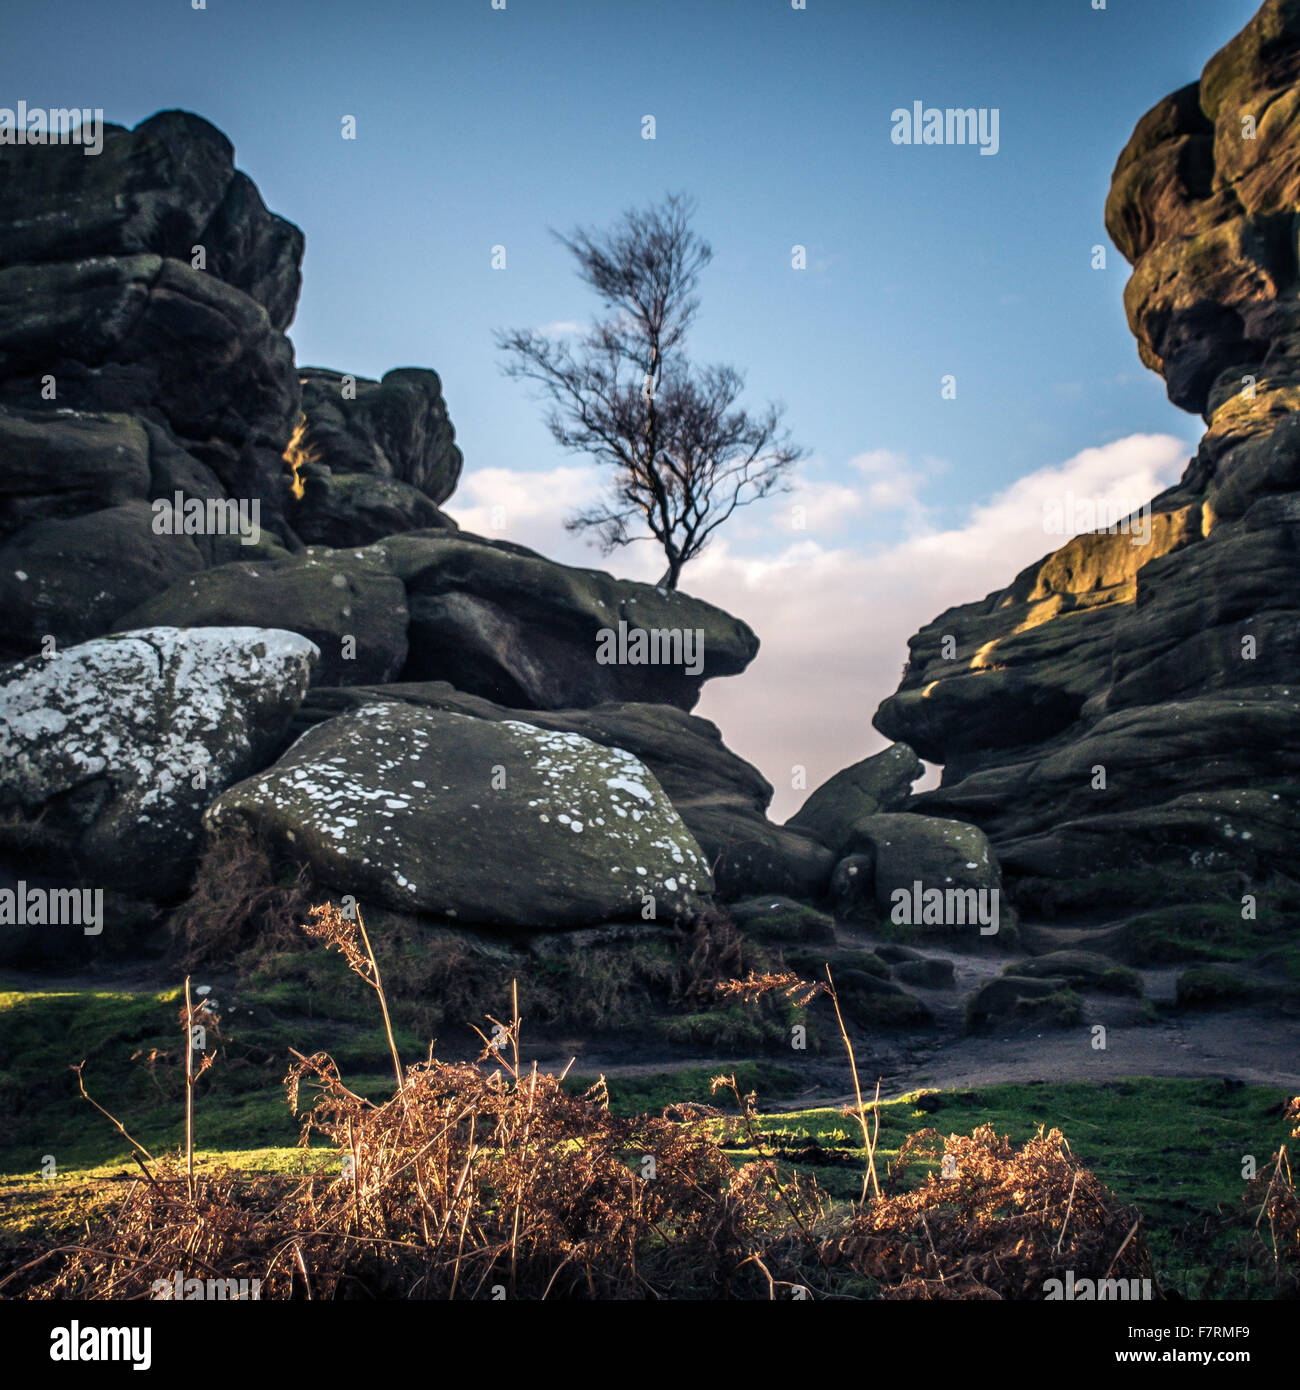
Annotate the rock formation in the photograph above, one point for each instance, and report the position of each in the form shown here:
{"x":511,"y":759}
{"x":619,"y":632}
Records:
{"x":144,"y":373}
{"x":143,"y":300}
{"x":1125,"y":705}
{"x":371,"y":458}
{"x":116,"y":747}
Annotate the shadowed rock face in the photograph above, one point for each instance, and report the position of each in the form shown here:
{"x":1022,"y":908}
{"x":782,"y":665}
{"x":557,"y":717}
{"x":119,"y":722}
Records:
{"x":373,"y":457}
{"x":1173,"y":665}
{"x":163,"y":188}
{"x":143,"y":298}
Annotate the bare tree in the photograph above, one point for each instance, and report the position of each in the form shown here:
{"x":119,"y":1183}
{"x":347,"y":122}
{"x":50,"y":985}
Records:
{"x":684,"y":456}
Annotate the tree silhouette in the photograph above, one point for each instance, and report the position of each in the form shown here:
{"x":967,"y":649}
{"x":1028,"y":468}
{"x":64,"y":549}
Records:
{"x":683,"y":455}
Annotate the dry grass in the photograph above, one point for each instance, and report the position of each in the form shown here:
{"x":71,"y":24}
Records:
{"x":235,"y":898}
{"x":487,"y":1179}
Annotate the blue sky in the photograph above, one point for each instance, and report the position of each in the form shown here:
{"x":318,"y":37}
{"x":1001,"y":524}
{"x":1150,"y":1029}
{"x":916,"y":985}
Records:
{"x":478,"y":127}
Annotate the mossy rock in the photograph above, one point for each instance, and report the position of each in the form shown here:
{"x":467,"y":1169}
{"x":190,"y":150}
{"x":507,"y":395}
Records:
{"x":812,"y":963}
{"x":893,"y":952}
{"x":1197,"y":932}
{"x":737,"y":1029}
{"x":872,"y":1002}
{"x":930,"y":972}
{"x":1207,"y":985}
{"x":1020,"y":999}
{"x":777,"y":919}
{"x":900,"y":1010}
{"x":1081,"y":969}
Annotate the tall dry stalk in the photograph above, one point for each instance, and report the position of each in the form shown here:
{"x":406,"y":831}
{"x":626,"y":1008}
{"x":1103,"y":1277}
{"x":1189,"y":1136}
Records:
{"x":189,"y":1091}
{"x":868,"y":1139}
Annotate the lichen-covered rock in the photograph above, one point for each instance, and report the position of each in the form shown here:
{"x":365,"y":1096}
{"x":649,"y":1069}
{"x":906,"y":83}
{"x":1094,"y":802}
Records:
{"x":721,"y":797}
{"x":475,"y":821}
{"x":119,"y":744}
{"x":909,"y":849}
{"x":781,"y":920}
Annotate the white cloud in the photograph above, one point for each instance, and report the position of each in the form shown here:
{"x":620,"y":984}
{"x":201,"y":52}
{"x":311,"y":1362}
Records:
{"x":817,"y":505}
{"x":529,"y":508}
{"x":833,"y":620}
{"x":893,"y":483}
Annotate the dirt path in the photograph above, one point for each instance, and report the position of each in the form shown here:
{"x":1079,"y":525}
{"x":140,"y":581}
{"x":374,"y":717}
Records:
{"x":1243,"y":1044}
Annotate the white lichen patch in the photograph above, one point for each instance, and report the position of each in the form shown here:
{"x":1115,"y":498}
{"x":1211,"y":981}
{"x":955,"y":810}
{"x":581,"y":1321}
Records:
{"x":145,"y":709}
{"x":144,"y":714}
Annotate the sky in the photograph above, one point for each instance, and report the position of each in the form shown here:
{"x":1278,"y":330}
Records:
{"x":481,"y":127}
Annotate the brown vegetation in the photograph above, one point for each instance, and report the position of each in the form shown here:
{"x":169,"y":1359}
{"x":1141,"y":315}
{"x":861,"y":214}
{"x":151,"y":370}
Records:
{"x":488,"y":1179}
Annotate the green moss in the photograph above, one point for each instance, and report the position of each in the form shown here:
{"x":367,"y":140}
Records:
{"x":641,"y":1095}
{"x":1120,"y":979}
{"x":1201,"y":932}
{"x":734,"y":1029}
{"x":812,"y":963}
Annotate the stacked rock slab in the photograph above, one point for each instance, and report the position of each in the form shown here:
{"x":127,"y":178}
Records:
{"x":371,"y":458}
{"x":144,"y":295}
{"x":1123,"y":704}
{"x":495,"y":619}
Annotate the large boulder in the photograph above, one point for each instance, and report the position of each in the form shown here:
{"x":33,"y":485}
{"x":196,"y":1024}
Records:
{"x":915,"y":855}
{"x":721,"y":797}
{"x":503,"y":622}
{"x":118,"y":745}
{"x":346,"y":602}
{"x":341,"y":509}
{"x":880,"y":783}
{"x":477,"y":821}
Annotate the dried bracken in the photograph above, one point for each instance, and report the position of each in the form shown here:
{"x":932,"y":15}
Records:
{"x":786,"y":983}
{"x":996,"y":1221}
{"x":488,"y":1179}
